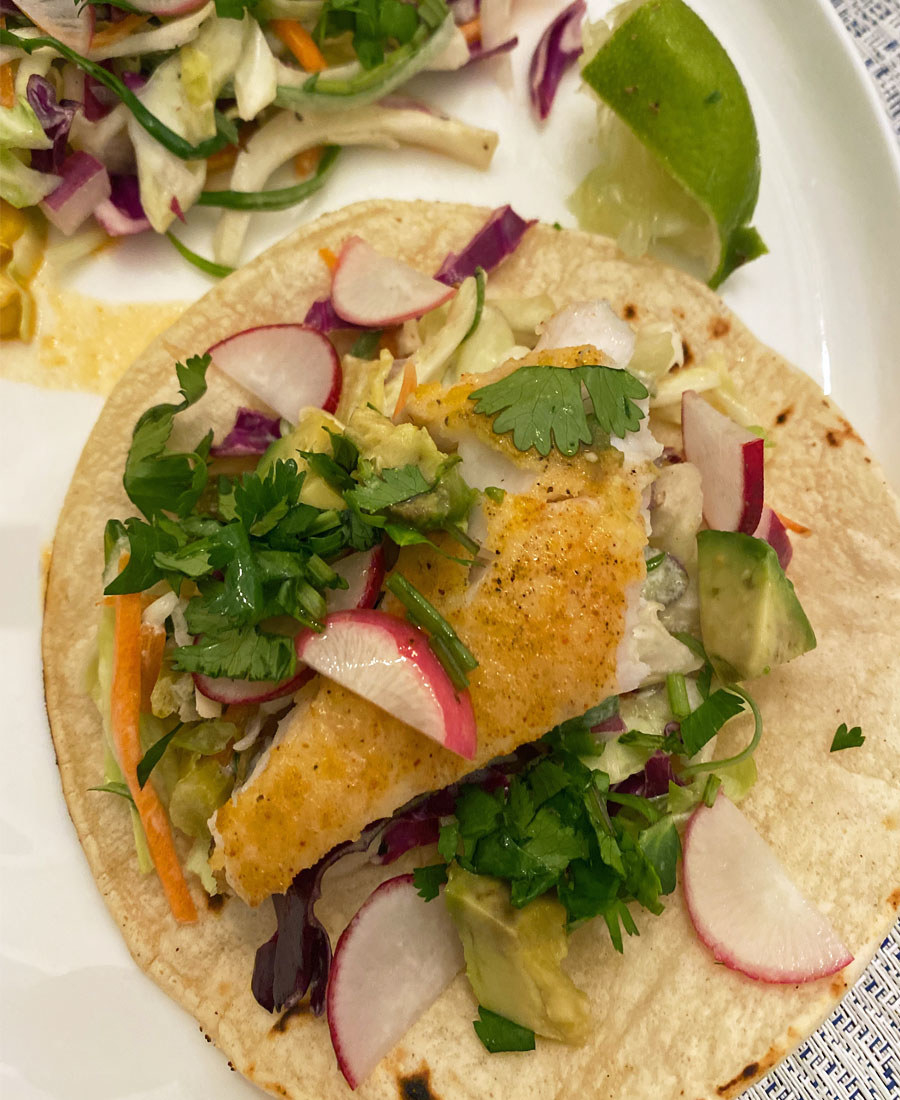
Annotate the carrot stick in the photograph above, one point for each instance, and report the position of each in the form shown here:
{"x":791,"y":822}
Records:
{"x":115,"y":32}
{"x":471,"y":31}
{"x":153,"y":643}
{"x":793,"y":525}
{"x":329,"y":258}
{"x":125,"y":713}
{"x":299,"y":41}
{"x":7,"y":79}
{"x":407,"y":386}
{"x":222,"y":160}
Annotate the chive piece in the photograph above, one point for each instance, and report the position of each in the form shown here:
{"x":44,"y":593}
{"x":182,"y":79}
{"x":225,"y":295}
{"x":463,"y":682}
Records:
{"x":711,"y":790}
{"x":366,"y":345}
{"x":712,"y":765}
{"x":153,"y":755}
{"x":154,"y":126}
{"x":492,"y":492}
{"x":655,"y":562}
{"x":448,"y":647}
{"x":218,"y":271}
{"x":464,"y":540}
{"x":120,"y":789}
{"x":676,"y":689}
{"x":279,"y":198}
{"x":480,"y":279}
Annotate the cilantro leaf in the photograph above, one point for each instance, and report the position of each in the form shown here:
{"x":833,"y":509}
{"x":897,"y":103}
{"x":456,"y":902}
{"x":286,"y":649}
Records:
{"x":702,"y":724}
{"x":542,"y":405}
{"x":498,"y":1034}
{"x":847,"y":739}
{"x":145,"y":541}
{"x":160,"y":481}
{"x":262,"y":501}
{"x":390,"y":487}
{"x":239,"y":655}
{"x":429,"y":880}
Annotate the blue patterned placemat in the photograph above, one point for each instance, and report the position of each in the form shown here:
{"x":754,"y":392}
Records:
{"x":855,"y":1055}
{"x":875,"y":26}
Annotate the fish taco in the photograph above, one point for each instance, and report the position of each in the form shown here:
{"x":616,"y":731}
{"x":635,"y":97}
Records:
{"x":478,"y":626}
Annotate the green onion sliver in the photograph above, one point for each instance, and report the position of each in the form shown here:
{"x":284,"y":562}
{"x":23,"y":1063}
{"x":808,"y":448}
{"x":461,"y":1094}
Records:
{"x":714,"y":765}
{"x":448,"y":647}
{"x":480,"y":280}
{"x":219,"y":271}
{"x":278,"y":199}
{"x":711,"y":790}
{"x":676,"y":689}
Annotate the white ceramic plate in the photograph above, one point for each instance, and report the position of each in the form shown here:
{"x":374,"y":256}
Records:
{"x":78,"y":1021}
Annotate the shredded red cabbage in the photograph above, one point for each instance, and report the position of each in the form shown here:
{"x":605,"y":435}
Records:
{"x":55,"y":119}
{"x":498,"y":238}
{"x":322,"y":317}
{"x":613,"y":724}
{"x":98,"y":99}
{"x":252,"y":433}
{"x":652,"y":781}
{"x":558,"y":48}
{"x":478,"y":53}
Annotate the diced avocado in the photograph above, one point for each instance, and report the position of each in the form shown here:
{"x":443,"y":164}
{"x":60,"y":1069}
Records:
{"x":750,"y":617}
{"x":513,"y":956}
{"x":447,"y":503}
{"x":309,"y":435}
{"x":387,"y":445}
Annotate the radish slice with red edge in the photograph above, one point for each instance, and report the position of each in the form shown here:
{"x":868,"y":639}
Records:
{"x":730,"y":461}
{"x":394,"y":959}
{"x":775,"y":533}
{"x":373,"y":290}
{"x":746,"y":909}
{"x":223,"y":690}
{"x":71,"y":23}
{"x":287,"y":366}
{"x":388,"y":661}
{"x":364,"y":572}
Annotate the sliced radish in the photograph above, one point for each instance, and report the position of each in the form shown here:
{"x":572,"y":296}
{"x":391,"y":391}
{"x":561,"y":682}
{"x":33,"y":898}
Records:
{"x":730,"y":461}
{"x":373,"y":290}
{"x":775,"y":533}
{"x":364,"y":572}
{"x":388,"y":661}
{"x":746,"y":909}
{"x":165,"y":8}
{"x":287,"y":366}
{"x":226,"y":691}
{"x":71,"y":23}
{"x":394,"y":959}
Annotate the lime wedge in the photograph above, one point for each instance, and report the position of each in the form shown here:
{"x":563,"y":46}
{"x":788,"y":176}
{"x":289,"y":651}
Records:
{"x":679,"y":174}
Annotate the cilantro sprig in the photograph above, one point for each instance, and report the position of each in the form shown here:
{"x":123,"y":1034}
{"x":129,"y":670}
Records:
{"x":543,"y":406}
{"x":847,"y":738}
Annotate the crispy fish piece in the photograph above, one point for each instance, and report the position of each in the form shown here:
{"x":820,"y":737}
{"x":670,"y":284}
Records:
{"x":546,"y":614}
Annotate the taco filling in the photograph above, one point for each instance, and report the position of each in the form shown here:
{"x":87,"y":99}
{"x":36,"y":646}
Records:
{"x":471,"y":584}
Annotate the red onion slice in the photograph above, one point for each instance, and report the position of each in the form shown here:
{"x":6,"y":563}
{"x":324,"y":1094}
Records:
{"x":85,"y":184}
{"x":557,"y":50}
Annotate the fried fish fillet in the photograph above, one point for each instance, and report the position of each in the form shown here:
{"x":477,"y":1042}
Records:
{"x":546,"y":611}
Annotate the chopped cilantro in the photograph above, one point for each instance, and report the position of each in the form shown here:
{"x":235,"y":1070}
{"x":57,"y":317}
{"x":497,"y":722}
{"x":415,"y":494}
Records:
{"x":705,"y":722}
{"x":391,"y":486}
{"x":542,"y":405}
{"x":429,"y":880}
{"x":499,"y":1034}
{"x":847,"y":738}
{"x":366,"y":345}
{"x":239,"y":654}
{"x":492,"y":492}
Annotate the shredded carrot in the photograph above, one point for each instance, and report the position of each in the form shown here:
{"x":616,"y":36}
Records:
{"x":793,"y":525}
{"x":125,"y":713}
{"x":7,"y":79}
{"x":222,"y":160}
{"x":299,"y":41}
{"x":153,"y":643}
{"x":305,"y":163}
{"x":408,"y":385}
{"x":471,"y":31}
{"x":329,"y":258}
{"x":115,"y":32}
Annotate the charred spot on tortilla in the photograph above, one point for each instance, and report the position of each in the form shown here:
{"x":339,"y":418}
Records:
{"x":719,"y":327}
{"x":781,"y":418}
{"x":629,"y":312}
{"x":416,"y":1086}
{"x":687,"y":353}
{"x":215,"y":903}
{"x":894,"y":899}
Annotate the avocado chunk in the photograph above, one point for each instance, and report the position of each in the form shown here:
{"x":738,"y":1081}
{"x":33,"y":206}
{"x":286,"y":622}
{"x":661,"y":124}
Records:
{"x":310,"y":434}
{"x":750,"y":617}
{"x":513,"y":956}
